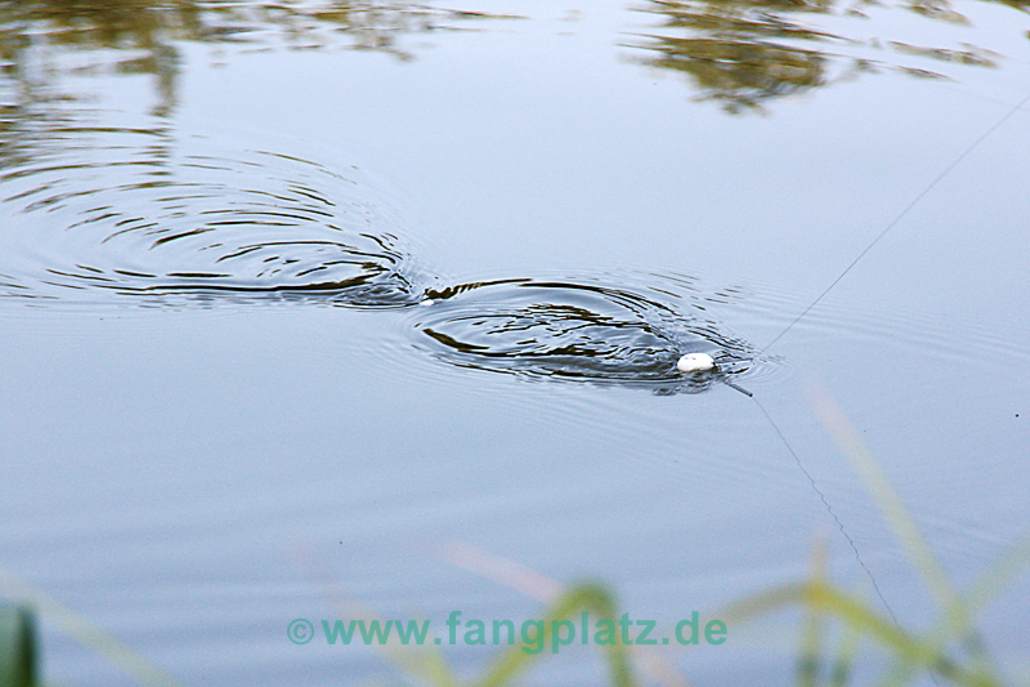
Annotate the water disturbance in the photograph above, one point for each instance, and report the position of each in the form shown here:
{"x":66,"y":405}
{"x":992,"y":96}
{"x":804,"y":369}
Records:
{"x":116,"y":216}
{"x":296,"y":294}
{"x":575,"y":330}
{"x":101,"y":213}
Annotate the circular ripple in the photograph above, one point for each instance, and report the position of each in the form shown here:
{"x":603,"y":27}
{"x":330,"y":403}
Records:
{"x":142,"y":212}
{"x":573,"y":330}
{"x":155,"y":217}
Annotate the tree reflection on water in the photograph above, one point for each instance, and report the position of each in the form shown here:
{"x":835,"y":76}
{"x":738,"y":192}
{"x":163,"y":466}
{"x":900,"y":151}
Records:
{"x":746,"y":53}
{"x":742,"y":54}
{"x":38,"y":38}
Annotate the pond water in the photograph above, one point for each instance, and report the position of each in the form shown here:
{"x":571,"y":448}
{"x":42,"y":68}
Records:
{"x":316,"y":306}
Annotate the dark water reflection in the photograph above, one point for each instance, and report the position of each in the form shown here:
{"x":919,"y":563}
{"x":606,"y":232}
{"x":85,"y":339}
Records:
{"x":111,"y":210}
{"x":746,"y":53}
{"x":149,"y":210}
{"x":146,"y":35}
{"x":743,"y":54}
{"x":582,"y":330}
{"x":160,"y":214}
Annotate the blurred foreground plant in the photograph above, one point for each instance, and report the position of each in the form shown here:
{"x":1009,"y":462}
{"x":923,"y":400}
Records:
{"x":950,"y":651}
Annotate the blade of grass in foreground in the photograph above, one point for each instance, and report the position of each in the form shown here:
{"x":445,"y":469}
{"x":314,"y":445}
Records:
{"x":583,"y":597}
{"x":654,"y":665}
{"x":890,"y":504}
{"x":809,"y":666}
{"x":19,"y":647}
{"x":79,"y":628}
{"x":857,"y":614}
{"x":840,"y":674}
{"x":424,"y":663}
{"x":957,"y":621}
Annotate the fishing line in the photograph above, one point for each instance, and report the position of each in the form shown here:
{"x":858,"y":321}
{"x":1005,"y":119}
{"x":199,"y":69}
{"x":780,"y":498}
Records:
{"x":829,"y":508}
{"x":900,"y":216}
{"x":736,"y":387}
{"x":973,"y":145}
{"x":819,"y":492}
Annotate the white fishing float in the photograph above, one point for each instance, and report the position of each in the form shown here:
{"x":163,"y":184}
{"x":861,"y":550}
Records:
{"x":695,"y":362}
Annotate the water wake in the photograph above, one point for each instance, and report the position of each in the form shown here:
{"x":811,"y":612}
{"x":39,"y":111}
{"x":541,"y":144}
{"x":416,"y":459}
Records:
{"x":103,"y":215}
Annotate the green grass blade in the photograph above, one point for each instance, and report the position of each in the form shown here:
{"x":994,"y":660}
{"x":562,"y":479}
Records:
{"x":843,"y":664}
{"x":79,"y":628}
{"x":809,"y":662}
{"x":19,"y":655}
{"x":584,"y":597}
{"x":891,"y":505}
{"x":857,"y":614}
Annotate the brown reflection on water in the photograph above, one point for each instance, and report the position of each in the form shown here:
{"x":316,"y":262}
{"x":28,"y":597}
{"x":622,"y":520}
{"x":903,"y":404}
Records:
{"x":37,"y":37}
{"x":740,"y":53}
{"x":746,"y":53}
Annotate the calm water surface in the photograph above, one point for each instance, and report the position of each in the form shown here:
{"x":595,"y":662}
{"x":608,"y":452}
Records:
{"x":308,"y":305}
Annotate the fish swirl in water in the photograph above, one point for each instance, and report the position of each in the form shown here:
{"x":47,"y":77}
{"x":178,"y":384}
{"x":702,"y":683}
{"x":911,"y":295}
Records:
{"x":138,"y":212}
{"x":574,"y":330}
{"x":101,"y":214}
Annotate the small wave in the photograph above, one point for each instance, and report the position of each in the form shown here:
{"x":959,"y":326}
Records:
{"x":145,"y":216}
{"x":95,"y":212}
{"x":578,"y":330}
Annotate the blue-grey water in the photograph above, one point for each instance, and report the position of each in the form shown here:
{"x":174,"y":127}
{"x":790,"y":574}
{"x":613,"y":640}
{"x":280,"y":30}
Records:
{"x":307,"y":306}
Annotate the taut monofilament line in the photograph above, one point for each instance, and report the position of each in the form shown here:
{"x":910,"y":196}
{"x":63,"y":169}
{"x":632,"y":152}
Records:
{"x":973,"y":145}
{"x":968,"y":150}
